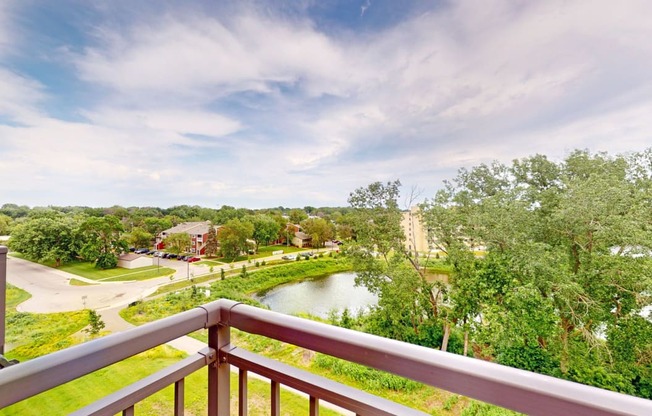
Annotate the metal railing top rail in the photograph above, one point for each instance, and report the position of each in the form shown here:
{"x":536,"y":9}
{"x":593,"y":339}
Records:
{"x":27,"y":379}
{"x":508,"y":387}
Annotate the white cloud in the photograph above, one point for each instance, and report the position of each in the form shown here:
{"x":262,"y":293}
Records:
{"x":204,"y":57}
{"x":175,"y":120}
{"x":288,"y":112}
{"x":19,"y":96}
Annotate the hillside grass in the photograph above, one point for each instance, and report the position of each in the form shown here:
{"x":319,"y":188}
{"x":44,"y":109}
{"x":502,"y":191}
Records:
{"x":31,"y":335}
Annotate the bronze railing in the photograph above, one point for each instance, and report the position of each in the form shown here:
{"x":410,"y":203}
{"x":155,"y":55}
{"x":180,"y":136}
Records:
{"x":507,"y":387}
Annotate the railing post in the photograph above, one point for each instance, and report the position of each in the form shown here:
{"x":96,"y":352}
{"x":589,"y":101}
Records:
{"x":219,"y":394}
{"x":3,"y":295}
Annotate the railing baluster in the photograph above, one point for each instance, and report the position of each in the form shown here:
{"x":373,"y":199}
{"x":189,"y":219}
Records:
{"x":129,"y":411}
{"x":242,"y":393}
{"x":179,"y":397}
{"x":219,"y":389}
{"x":276,"y":398}
{"x":314,"y":406}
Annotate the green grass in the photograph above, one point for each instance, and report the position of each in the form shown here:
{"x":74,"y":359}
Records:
{"x":30,"y":335}
{"x":235,"y":287}
{"x":235,"y":272}
{"x":77,"y":282}
{"x":89,"y":271}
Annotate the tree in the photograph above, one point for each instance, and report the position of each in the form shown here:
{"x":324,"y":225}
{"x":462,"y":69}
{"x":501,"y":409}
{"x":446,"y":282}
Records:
{"x":319,"y":229}
{"x":102,"y":240}
{"x":297,"y":215}
{"x":568,"y":240}
{"x":233,"y":237}
{"x":379,"y":256}
{"x":265,"y":228}
{"x":139,"y":237}
{"x":46,"y":239}
{"x":211,"y":242}
{"x":178,"y":242}
{"x":95,"y":322}
{"x":155,"y":225}
{"x":5,"y":224}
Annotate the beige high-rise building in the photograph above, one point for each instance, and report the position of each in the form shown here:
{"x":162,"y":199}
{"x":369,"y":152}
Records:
{"x":416,"y":236}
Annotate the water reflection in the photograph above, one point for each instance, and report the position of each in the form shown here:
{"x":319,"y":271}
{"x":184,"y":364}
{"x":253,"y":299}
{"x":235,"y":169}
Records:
{"x":319,"y":297}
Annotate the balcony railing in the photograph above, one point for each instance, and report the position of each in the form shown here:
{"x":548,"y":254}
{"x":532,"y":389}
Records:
{"x":511,"y":388}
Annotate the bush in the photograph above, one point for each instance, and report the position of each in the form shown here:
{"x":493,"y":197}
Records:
{"x":371,"y":379}
{"x":106,"y":261}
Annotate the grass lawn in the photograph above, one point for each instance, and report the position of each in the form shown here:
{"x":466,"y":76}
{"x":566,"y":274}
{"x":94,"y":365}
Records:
{"x":30,"y":335}
{"x":89,"y":271}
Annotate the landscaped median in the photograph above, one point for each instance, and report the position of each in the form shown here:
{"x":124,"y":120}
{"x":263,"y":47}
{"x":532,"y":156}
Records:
{"x":89,"y":271}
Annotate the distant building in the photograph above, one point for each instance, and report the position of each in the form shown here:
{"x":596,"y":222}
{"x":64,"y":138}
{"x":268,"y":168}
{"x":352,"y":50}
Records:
{"x":133,"y":261}
{"x":301,"y":239}
{"x":416,"y":236}
{"x":198,"y":232}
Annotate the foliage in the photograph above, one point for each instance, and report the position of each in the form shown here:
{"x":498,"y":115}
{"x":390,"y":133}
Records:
{"x":95,"y":323}
{"x":372,"y":380}
{"x":5,"y":224}
{"x":319,"y":230}
{"x":46,"y":238}
{"x":139,"y":237}
{"x":211,"y":247}
{"x":265,"y":228}
{"x":297,"y":215}
{"x":102,"y":240}
{"x":177,"y":242}
{"x":567,"y":255}
{"x":233,"y":237}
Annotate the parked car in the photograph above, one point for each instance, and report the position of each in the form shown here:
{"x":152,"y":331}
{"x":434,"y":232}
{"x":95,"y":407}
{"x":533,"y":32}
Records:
{"x":193,"y":259}
{"x":172,"y":256}
{"x":289,"y":257}
{"x":184,"y":258}
{"x":308,"y":254}
{"x":142,"y":251}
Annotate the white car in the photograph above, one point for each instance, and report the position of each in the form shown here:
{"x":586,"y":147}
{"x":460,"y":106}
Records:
{"x":289,"y":257}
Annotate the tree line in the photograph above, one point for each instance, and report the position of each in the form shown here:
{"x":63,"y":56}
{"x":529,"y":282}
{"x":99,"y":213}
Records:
{"x":551,"y":267}
{"x":100,"y":235}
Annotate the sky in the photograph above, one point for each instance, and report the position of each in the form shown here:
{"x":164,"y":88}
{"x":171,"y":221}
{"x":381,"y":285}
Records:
{"x":292,"y":103}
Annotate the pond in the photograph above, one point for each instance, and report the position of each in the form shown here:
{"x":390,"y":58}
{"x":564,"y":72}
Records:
{"x":320,"y":296}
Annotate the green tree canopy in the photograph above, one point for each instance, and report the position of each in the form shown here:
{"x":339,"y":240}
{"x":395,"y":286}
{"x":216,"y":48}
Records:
{"x":319,"y":229}
{"x":178,"y":242}
{"x":102,"y":240}
{"x":47,"y":239}
{"x":233,"y":237}
{"x":139,"y":237}
{"x":212,"y":245}
{"x":265,"y":228}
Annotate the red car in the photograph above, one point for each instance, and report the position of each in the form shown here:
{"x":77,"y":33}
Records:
{"x":193,"y":259}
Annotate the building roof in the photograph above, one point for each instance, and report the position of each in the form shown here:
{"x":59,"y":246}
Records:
{"x":130,"y":256}
{"x":302,"y":235}
{"x":200,"y":227}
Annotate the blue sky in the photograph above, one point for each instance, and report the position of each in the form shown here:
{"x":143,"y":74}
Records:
{"x":260,"y":104}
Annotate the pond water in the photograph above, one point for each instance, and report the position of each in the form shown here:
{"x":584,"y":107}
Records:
{"x":320,"y":296}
